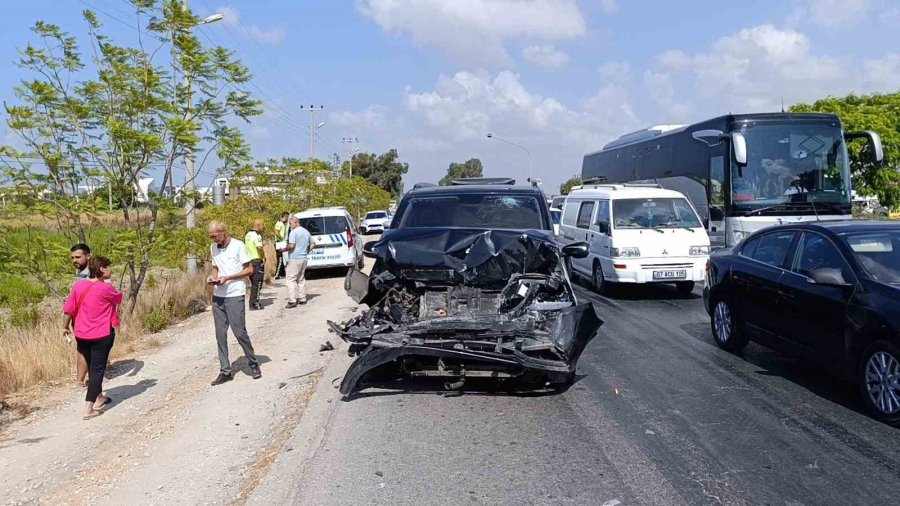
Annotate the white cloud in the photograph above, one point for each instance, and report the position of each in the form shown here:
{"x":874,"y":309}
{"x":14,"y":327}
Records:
{"x":546,"y":56}
{"x":476,"y":31}
{"x":232,"y":18}
{"x":673,"y":60}
{"x":618,"y":72}
{"x":370,"y":117}
{"x":832,"y":13}
{"x":609,"y":6}
{"x":661,"y":89}
{"x":468,"y":105}
{"x":883,"y":74}
{"x":756,"y":68}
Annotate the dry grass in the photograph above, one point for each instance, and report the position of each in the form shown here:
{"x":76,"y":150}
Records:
{"x":39,"y":353}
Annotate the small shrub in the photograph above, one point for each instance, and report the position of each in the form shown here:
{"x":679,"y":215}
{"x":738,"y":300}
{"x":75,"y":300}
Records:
{"x":17,"y":291}
{"x":156,"y":319}
{"x":25,"y":316}
{"x":151,"y":281}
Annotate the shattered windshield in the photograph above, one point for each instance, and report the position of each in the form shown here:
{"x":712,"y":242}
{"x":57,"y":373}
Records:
{"x":520,"y":212}
{"x":654,"y":213}
{"x":791,"y":163}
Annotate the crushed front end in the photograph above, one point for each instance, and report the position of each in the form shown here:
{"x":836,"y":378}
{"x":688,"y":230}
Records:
{"x":464,"y":304}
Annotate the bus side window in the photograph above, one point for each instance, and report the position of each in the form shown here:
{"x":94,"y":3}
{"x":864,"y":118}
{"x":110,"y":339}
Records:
{"x":717,"y":185}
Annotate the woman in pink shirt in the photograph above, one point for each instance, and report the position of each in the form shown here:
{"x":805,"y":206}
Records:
{"x":92,"y":307}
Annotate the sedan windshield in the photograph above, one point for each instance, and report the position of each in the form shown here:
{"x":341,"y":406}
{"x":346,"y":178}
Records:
{"x":521,"y":212}
{"x":654,"y":213}
{"x":878,"y":253}
{"x":375,"y":215}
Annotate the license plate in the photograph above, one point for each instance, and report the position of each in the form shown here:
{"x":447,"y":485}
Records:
{"x":677,"y":274}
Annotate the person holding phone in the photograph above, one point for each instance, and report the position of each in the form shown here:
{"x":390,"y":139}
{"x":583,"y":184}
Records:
{"x":231,"y":266}
{"x":91,"y":313}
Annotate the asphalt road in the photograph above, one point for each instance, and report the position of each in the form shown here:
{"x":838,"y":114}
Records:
{"x":659,"y":415}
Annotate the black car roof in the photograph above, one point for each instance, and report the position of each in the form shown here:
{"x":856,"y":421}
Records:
{"x":846,"y":226}
{"x":487,"y":188}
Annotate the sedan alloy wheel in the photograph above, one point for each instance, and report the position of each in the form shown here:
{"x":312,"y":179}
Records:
{"x":883,"y":382}
{"x":723,"y":323}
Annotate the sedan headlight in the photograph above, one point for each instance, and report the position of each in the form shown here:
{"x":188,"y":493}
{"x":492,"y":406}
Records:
{"x":699,"y":250}
{"x":625,"y":252}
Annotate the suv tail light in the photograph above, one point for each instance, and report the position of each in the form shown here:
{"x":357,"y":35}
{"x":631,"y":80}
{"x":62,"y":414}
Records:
{"x":350,"y":237}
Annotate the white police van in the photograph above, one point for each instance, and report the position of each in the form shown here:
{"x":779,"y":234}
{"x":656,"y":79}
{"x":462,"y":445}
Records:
{"x":637,"y":234}
{"x":337,"y":241}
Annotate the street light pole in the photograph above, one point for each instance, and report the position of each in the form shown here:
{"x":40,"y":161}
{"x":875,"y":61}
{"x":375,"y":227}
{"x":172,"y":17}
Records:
{"x":350,"y":141}
{"x":492,"y":136}
{"x":190,"y":173}
{"x":313,"y":127}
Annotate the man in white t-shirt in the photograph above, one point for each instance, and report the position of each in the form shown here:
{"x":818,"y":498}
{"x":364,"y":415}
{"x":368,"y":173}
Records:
{"x":231,"y":265}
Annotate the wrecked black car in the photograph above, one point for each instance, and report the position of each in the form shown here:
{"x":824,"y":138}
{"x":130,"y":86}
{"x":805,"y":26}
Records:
{"x":468,"y":282}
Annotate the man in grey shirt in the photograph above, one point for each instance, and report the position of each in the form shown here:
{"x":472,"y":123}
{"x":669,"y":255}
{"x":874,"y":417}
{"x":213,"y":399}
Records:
{"x":299,"y":245}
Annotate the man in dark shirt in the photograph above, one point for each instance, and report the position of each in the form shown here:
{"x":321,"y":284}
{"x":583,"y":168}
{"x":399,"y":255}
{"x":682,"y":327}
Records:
{"x":81,"y":256}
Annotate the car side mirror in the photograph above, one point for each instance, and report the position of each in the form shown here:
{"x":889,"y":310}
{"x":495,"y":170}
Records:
{"x":576,"y":250}
{"x":367,"y":249}
{"x":829,"y":277}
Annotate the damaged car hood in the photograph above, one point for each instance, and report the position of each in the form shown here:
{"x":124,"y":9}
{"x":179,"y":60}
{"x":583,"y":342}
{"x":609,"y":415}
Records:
{"x":462,"y":302}
{"x":468,"y":257}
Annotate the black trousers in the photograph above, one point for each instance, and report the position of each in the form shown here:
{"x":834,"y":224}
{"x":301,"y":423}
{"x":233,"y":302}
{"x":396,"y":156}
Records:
{"x":279,"y":267}
{"x":256,"y":280}
{"x":96,"y":354}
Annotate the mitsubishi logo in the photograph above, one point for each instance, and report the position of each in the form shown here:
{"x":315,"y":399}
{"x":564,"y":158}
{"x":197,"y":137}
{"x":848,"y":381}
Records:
{"x":665,"y":252}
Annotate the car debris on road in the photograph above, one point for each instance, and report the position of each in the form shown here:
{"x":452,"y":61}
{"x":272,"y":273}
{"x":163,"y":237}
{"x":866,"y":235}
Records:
{"x":460,"y":303}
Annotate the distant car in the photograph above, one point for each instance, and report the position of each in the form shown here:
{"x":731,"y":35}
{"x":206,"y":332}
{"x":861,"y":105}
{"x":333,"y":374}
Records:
{"x":828,"y":292}
{"x":558,"y":201}
{"x":337,"y":242}
{"x":555,"y":217}
{"x":375,"y":222}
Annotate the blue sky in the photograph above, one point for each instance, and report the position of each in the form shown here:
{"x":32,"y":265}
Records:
{"x":431,"y":78}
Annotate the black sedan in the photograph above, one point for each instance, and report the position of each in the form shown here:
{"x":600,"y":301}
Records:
{"x":825,"y":291}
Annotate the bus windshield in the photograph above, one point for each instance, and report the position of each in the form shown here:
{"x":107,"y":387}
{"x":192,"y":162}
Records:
{"x":654,"y":213}
{"x":791,"y":163}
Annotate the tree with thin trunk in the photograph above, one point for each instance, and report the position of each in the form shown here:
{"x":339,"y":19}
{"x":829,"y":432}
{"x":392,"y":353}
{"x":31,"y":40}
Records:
{"x":140,"y":112}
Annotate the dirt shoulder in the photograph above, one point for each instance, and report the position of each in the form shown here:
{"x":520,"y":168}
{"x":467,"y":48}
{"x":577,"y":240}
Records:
{"x":168,"y":437}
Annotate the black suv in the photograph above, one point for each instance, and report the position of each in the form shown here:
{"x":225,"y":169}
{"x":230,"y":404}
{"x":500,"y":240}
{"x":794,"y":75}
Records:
{"x":469,"y":282}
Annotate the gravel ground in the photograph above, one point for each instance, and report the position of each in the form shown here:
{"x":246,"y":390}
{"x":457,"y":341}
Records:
{"x":168,"y":437}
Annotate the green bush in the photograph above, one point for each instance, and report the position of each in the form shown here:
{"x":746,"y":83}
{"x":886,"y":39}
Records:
{"x":156,"y":319}
{"x":16,"y":291}
{"x":25,"y":316}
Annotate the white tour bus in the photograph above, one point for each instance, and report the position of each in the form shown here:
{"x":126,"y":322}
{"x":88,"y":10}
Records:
{"x":637,"y":234}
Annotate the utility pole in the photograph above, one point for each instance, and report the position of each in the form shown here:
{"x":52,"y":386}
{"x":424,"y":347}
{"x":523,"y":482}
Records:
{"x":190,"y":174}
{"x":313,"y":127}
{"x":350,"y":141}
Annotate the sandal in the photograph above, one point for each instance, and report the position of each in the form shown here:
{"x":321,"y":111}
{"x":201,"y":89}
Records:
{"x":95,"y":414}
{"x":100,"y":407}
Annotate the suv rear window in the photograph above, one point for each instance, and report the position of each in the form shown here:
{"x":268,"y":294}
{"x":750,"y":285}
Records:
{"x":472,"y":210}
{"x":324,"y":225}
